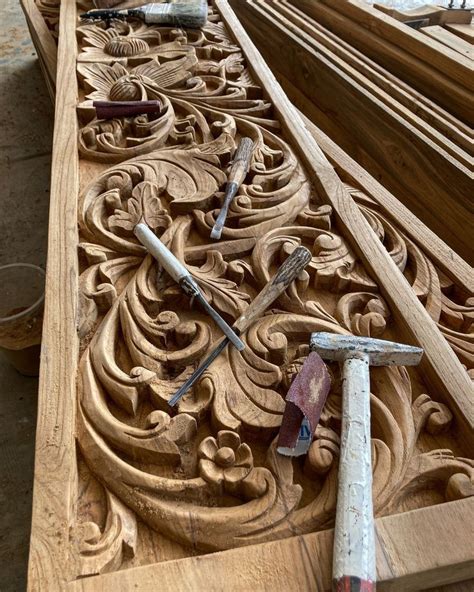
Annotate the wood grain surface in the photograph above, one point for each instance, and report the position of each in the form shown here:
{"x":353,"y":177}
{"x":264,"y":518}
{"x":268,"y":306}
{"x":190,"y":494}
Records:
{"x":425,"y":558}
{"x":55,"y":459}
{"x":145,"y":499}
{"x":433,"y":69}
{"x":371,"y":126}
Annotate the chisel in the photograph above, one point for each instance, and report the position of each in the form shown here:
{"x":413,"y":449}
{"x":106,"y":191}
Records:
{"x":182,"y":276}
{"x":286,"y":273}
{"x":191,"y":14}
{"x":237,"y":174}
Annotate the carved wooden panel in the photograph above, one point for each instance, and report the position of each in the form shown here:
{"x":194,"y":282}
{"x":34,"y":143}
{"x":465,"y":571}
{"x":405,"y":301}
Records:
{"x":49,"y":10}
{"x":147,"y":485}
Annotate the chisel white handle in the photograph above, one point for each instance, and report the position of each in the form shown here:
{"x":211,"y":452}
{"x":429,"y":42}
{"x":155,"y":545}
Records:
{"x":160,"y":252}
{"x":354,"y":544}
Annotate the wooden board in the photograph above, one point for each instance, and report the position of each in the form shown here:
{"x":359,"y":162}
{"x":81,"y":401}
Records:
{"x":465,"y":32}
{"x":429,"y":66}
{"x":267,"y":567}
{"x":436,"y":15}
{"x":449,"y":39}
{"x":111,"y":501}
{"x":385,"y":135}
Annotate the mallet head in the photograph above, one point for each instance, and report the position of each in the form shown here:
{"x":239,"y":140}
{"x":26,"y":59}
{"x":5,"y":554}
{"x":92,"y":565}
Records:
{"x":332,"y":346}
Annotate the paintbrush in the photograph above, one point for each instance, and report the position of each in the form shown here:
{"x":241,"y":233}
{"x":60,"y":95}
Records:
{"x":191,"y":14}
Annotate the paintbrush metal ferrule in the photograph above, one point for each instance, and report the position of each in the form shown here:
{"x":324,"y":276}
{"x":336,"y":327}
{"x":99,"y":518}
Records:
{"x":191,"y":14}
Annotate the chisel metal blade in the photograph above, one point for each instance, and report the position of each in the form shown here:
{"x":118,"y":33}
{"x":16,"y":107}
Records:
{"x":198,"y":372}
{"x":182,"y":276}
{"x":286,"y":273}
{"x":226,"y":329}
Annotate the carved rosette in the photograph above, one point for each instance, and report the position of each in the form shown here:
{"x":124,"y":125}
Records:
{"x":209,"y":476}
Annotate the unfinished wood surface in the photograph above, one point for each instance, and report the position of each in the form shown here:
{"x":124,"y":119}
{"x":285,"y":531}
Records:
{"x":150,"y":487}
{"x":414,"y":106}
{"x":368,"y":123}
{"x":49,"y":10}
{"x":436,"y":15}
{"x":417,"y":110}
{"x":361,"y":236}
{"x":445,"y":130}
{"x":466,"y":32}
{"x":449,"y":39}
{"x":437,"y":71}
{"x":444,"y":60}
{"x":448,"y":261}
{"x":55,"y":478}
{"x":303,"y":563}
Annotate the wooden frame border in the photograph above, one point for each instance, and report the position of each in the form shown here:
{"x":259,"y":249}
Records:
{"x":424,"y":559}
{"x":55,"y":459}
{"x":55,"y":468}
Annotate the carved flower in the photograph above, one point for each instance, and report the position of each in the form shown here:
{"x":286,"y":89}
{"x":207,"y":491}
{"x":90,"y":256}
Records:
{"x":125,"y":46}
{"x":128,"y":40}
{"x":225,"y":459}
{"x":116,"y":83}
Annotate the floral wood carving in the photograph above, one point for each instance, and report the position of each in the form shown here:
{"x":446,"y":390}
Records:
{"x":209,"y":476}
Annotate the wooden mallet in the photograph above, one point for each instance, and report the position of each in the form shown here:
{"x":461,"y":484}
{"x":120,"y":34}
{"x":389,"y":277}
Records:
{"x":354,"y":541}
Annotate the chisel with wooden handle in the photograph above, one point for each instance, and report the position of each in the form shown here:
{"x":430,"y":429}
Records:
{"x":182,"y":277}
{"x":237,"y":174}
{"x":287,"y":272}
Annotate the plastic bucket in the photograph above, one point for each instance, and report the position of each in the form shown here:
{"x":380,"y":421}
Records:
{"x":21,"y":315}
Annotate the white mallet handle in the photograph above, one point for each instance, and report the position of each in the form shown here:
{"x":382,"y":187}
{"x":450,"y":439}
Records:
{"x":354,"y":544}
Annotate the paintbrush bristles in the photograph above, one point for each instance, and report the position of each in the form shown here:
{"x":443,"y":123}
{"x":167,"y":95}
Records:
{"x":190,"y":14}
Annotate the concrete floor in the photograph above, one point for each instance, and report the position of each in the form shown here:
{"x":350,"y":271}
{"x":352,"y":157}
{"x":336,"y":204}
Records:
{"x":25,"y":160}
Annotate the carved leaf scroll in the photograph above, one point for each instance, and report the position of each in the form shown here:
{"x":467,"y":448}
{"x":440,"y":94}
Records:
{"x":208,"y":476}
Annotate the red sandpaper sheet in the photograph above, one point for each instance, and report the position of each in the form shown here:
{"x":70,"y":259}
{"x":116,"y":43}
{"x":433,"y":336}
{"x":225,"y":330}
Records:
{"x":305,"y":399}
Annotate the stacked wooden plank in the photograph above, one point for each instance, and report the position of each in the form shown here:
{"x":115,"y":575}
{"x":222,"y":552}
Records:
{"x":122,"y":497}
{"x":452,"y":28}
{"x":421,"y":152}
{"x":439,"y":72}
